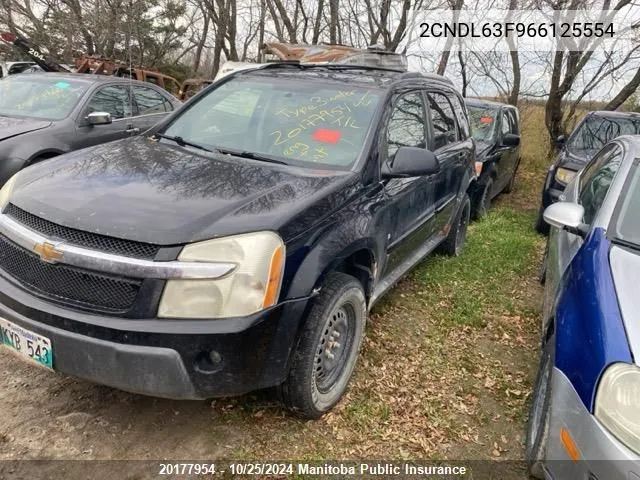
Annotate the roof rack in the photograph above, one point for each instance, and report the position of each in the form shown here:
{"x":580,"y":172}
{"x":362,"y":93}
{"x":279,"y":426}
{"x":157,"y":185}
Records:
{"x":373,"y":56}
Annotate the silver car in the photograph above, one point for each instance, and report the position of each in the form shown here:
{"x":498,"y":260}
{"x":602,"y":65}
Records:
{"x":584,"y":421}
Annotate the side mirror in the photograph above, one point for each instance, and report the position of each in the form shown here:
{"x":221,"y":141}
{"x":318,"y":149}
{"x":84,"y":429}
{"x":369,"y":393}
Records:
{"x":99,"y":118}
{"x":412,"y":162}
{"x":566,"y":216}
{"x":560,"y":141}
{"x":511,"y":140}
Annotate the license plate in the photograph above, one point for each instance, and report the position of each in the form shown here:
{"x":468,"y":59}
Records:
{"x":30,"y":345}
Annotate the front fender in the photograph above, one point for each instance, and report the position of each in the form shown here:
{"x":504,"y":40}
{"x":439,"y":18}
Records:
{"x":351,"y":230}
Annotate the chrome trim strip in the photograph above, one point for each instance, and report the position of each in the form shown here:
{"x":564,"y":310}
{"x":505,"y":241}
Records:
{"x":110,"y":263}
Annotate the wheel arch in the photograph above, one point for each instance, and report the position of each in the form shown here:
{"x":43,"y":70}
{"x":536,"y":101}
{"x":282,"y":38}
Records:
{"x":43,"y":155}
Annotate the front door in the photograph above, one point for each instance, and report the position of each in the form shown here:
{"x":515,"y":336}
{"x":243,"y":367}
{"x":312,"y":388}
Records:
{"x":410,"y":199}
{"x":113,"y":99}
{"x":446,"y":146}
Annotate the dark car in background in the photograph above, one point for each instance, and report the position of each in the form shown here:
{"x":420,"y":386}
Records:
{"x":594,"y":131}
{"x":495,"y":127}
{"x":240,"y":244}
{"x":43,"y":115}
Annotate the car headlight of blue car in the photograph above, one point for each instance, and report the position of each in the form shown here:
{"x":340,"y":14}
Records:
{"x":617,"y":403}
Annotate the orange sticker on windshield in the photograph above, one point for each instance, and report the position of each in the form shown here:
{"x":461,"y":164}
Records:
{"x":327,"y":136}
{"x":486,"y":119}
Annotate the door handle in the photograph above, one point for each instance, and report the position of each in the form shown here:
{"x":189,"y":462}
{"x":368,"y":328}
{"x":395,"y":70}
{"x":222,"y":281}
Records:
{"x":132,"y":130}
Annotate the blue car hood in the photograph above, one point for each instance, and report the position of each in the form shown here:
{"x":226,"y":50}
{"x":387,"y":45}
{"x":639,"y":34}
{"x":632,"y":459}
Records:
{"x":625,"y":269}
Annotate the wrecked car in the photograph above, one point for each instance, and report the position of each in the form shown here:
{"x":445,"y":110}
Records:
{"x":495,"y":127}
{"x":594,"y":131}
{"x":240,"y":244}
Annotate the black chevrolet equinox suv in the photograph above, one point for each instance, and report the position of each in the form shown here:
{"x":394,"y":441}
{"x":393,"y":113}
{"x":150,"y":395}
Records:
{"x":239,"y":244}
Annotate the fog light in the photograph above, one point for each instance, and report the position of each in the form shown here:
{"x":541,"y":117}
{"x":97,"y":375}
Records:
{"x":208,"y":362}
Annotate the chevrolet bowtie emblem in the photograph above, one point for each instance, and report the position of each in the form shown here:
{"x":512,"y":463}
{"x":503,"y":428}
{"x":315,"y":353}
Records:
{"x":48,"y":252}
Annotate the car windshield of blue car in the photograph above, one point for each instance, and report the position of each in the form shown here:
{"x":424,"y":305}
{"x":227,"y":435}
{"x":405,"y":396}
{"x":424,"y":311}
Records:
{"x":483,"y":121}
{"x":627,"y":222}
{"x":46,"y":97}
{"x":596,"y":131}
{"x":307,"y":123}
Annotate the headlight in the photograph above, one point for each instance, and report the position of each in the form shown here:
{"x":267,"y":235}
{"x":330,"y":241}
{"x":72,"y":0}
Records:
{"x":618,"y":403}
{"x":7,"y":190}
{"x":564,"y":176}
{"x":252,"y":286}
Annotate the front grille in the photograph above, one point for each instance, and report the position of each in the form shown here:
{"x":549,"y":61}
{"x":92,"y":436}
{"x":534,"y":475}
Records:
{"x":66,"y":284}
{"x":80,"y":238}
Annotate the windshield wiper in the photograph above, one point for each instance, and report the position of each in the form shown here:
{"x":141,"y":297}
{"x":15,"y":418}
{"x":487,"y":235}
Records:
{"x":625,"y":243}
{"x":182,"y":142}
{"x":250,"y":155}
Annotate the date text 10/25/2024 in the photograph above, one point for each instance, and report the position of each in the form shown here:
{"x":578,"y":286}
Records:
{"x":284,"y":469}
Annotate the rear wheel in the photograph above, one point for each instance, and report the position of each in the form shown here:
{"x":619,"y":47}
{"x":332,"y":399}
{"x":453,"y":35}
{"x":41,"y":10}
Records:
{"x":326,"y":353}
{"x":538,"y":424}
{"x":457,"y":236}
{"x":512,"y":181}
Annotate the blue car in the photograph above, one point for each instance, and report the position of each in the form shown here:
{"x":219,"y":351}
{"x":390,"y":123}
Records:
{"x":584,"y":421}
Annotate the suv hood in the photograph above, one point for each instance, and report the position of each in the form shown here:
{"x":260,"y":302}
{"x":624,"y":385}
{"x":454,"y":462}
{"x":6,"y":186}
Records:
{"x":160,"y":193}
{"x":577,"y":156}
{"x":12,"y":126}
{"x":625,"y":270}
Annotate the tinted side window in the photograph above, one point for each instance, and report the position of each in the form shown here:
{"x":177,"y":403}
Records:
{"x":506,"y":123}
{"x":113,"y":99}
{"x":407,"y":124}
{"x":442,"y":118}
{"x":513,"y":117}
{"x":593,"y":189}
{"x":149,"y":101}
{"x":461,"y":116}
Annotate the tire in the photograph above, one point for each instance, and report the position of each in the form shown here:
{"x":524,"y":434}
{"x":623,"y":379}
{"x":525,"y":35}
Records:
{"x":483,"y":202}
{"x":538,"y":423}
{"x":541,"y":226}
{"x":316,"y":382}
{"x":457,"y":236}
{"x":509,"y":187}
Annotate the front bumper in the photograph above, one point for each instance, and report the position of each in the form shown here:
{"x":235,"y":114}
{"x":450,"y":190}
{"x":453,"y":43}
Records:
{"x":602,"y":457}
{"x":164,"y":358}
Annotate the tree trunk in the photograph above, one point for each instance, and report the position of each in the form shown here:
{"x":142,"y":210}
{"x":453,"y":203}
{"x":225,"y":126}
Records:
{"x":317,"y":23}
{"x":333,"y":21}
{"x":263,"y":14}
{"x":517,"y":78}
{"x":463,"y":73}
{"x":622,"y":96}
{"x":201,"y":43}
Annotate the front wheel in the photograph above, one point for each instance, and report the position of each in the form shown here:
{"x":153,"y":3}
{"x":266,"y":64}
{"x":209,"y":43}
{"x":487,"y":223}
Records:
{"x":457,"y":236}
{"x":327,"y":350}
{"x":483,"y":202}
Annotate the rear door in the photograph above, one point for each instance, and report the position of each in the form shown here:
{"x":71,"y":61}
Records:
{"x":113,"y":99}
{"x":410,"y":199}
{"x":152,"y":106}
